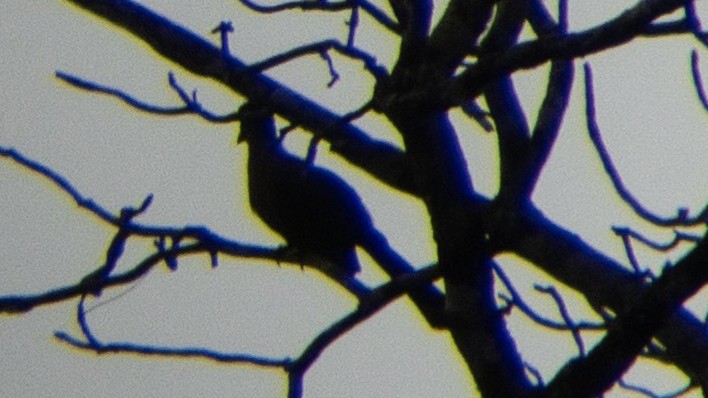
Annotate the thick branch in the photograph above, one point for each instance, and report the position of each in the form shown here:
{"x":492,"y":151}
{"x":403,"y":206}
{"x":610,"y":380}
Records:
{"x":604,"y":282}
{"x":633,"y":328}
{"x":503,"y":101}
{"x":200,"y":57}
{"x":457,"y":33}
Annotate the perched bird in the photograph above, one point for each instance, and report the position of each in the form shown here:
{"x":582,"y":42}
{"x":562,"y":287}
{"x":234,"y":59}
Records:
{"x":321,"y":217}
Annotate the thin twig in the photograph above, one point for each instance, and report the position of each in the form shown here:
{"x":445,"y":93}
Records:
{"x":95,"y":280}
{"x":679,"y":237}
{"x":563,"y":16}
{"x":191,"y":105}
{"x":187,"y":352}
{"x":62,"y":183}
{"x":195,"y":107}
{"x":565,"y":315}
{"x":629,"y":250}
{"x":375,"y":12}
{"x":319,"y":48}
{"x":132,"y":101}
{"x":535,"y":373}
{"x":224,"y":28}
{"x":353,"y":24}
{"x":649,"y":393}
{"x":334,"y":76}
{"x":517,"y":300}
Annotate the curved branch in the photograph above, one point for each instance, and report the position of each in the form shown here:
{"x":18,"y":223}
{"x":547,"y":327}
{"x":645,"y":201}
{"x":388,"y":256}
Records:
{"x":379,"y":298}
{"x":130,"y":100}
{"x":517,"y":300}
{"x":698,"y":80}
{"x":594,"y":132}
{"x":369,"y":61}
{"x":306,"y":5}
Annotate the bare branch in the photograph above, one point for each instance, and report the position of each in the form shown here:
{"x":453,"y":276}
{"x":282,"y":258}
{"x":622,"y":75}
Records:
{"x":623,"y":28}
{"x":195,"y":106}
{"x":353,"y":24}
{"x":555,"y":102}
{"x":192,"y":106}
{"x":679,"y":237}
{"x":374,"y":302}
{"x":535,"y":373}
{"x":637,"y":389}
{"x":594,"y":131}
{"x":320,"y":48}
{"x":224,"y":28}
{"x":62,"y":183}
{"x":647,"y":392}
{"x":199,"y":353}
{"x":698,"y":80}
{"x":132,"y":101}
{"x":23,"y":303}
{"x":334,"y":76}
{"x":694,"y":23}
{"x":606,"y":283}
{"x":379,"y":298}
{"x":517,"y":300}
{"x":629,"y":250}
{"x":93,"y":344}
{"x":633,"y":328}
{"x":95,"y":280}
{"x":478,"y":114}
{"x":567,"y":320}
{"x":323,"y":5}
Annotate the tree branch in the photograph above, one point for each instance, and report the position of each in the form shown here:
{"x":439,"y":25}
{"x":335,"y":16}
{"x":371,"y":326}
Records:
{"x":594,"y":131}
{"x":365,"y":5}
{"x":200,"y":57}
{"x":633,"y":328}
{"x":603,"y":282}
{"x":615,"y":32}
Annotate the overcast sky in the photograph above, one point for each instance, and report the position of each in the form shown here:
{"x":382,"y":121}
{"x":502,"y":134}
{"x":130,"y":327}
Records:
{"x":647,"y":109}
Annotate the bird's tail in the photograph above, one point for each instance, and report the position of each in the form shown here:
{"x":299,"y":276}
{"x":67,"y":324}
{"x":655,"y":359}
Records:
{"x":428,"y":298}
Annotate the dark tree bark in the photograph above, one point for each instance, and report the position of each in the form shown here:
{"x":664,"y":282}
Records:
{"x":472,"y":53}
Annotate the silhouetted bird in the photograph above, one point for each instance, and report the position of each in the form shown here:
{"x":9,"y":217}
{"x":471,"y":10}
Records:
{"x":319,"y":215}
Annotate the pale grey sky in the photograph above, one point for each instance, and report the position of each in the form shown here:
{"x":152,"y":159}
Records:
{"x":647,"y":109}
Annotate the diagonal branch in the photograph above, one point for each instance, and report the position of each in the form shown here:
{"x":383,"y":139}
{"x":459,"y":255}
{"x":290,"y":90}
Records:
{"x":379,"y":298}
{"x":352,"y":52}
{"x":555,"y":102}
{"x":173,"y":42}
{"x":633,"y":328}
{"x":604,"y":282}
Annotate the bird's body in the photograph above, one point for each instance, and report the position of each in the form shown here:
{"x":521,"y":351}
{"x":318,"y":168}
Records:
{"x":311,"y":208}
{"x":322,"y":218}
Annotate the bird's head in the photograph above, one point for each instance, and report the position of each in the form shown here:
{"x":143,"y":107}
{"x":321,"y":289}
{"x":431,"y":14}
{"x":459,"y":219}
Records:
{"x":257,"y":123}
